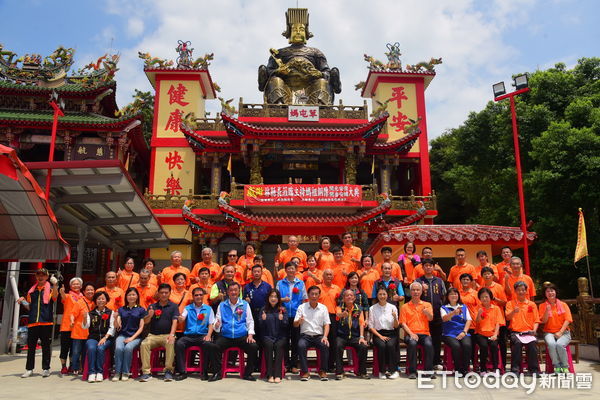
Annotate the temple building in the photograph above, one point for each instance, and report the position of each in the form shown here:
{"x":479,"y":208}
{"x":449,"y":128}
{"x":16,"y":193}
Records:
{"x":99,"y":166}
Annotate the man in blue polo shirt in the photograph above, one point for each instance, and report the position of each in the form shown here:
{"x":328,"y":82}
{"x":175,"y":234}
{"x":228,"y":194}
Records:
{"x":293,"y":293}
{"x":255,"y":293}
{"x":234,"y":321}
{"x":434,"y":292}
{"x":199,"y":325}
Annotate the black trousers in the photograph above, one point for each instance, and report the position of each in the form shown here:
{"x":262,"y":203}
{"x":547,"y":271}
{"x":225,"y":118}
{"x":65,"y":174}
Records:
{"x":44,"y":334}
{"x":502,"y":338}
{"x":361,"y":349}
{"x":331,"y":338}
{"x":387,"y":351}
{"x":272,"y":351}
{"x":435,"y":330}
{"x":210,"y":353}
{"x":411,"y":352}
{"x":291,"y":344}
{"x":65,"y":344}
{"x":461,"y":352}
{"x":485,"y":346}
{"x":516,"y":348}
{"x":251,"y":350}
{"x":305,"y":343}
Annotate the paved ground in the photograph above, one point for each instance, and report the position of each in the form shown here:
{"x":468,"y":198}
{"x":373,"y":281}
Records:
{"x":56,"y":387}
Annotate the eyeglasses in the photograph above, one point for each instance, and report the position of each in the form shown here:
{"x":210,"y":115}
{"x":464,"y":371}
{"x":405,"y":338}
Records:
{"x":232,"y":255}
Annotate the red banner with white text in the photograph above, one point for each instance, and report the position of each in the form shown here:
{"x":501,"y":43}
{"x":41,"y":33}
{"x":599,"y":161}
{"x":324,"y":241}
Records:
{"x":303,"y":195}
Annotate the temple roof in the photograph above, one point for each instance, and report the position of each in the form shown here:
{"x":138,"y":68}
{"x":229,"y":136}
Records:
{"x":236,"y":130}
{"x":459,"y":233}
{"x":65,"y":90}
{"x":70,"y":120}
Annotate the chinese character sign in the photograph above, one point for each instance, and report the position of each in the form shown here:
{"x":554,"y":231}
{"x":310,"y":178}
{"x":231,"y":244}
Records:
{"x":176,"y":99}
{"x":174,"y":160}
{"x":402,"y":97}
{"x":346,"y":195}
{"x":303,"y":113}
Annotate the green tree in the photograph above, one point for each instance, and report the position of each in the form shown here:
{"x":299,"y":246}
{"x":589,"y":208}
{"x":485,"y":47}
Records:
{"x":147,"y":109}
{"x":473,"y":168}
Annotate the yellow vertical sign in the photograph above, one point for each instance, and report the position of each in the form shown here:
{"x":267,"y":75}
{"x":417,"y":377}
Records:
{"x":402,"y":107}
{"x":176,"y":100}
{"x":174,"y":170}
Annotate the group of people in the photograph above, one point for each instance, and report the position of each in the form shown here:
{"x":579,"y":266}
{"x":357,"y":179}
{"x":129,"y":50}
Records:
{"x":336,"y":301}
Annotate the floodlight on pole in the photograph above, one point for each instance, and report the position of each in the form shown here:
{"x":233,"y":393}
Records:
{"x":521,"y":86}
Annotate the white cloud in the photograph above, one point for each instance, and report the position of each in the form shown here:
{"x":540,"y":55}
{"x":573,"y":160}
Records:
{"x":240,"y":34}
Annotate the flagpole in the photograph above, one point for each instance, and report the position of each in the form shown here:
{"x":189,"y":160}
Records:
{"x":587,"y":260}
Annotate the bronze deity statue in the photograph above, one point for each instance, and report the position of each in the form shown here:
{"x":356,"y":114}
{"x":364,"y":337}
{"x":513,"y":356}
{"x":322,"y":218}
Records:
{"x":298,"y":74}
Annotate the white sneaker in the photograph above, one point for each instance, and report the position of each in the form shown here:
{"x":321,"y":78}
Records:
{"x":395,"y":375}
{"x":92,"y":378}
{"x":27,"y":373}
{"x":382,"y":376}
{"x":99,"y":377}
{"x":45,"y":373}
{"x":125,"y":377}
{"x":115,"y":378}
{"x":438,"y":367}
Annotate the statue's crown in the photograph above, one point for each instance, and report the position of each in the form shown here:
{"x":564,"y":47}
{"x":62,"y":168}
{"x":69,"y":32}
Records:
{"x":296,"y":16}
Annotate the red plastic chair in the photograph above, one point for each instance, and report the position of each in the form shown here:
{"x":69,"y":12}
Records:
{"x":447,"y":358}
{"x":105,"y":368}
{"x":225,"y":368}
{"x":420,"y":358}
{"x":189,"y":359}
{"x":550,"y":367}
{"x":136,"y":363}
{"x":157,"y":360}
{"x":489,"y":365}
{"x":354,"y":367}
{"x":317,"y":366}
{"x":375,"y":361}
{"x":263,"y":366}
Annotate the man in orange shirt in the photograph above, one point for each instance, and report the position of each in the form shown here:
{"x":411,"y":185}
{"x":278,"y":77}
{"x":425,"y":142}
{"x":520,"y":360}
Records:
{"x":418,"y":271}
{"x":232,"y":257}
{"x":524,"y":321}
{"x":516,"y":267}
{"x":487,"y":274}
{"x":386,"y":253}
{"x":352,"y":254}
{"x":503,"y":266}
{"x":341,"y":269}
{"x":468,"y":295}
{"x":146,"y":291}
{"x":166,"y":275}
{"x":207,"y":261}
{"x":266,"y":274}
{"x":115,"y":293}
{"x":329,"y":297}
{"x":127,"y":278}
{"x":461,"y":267}
{"x":414,"y":317}
{"x":284,"y":256}
{"x":204,"y":283}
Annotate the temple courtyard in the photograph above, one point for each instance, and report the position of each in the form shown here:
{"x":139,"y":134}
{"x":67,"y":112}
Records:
{"x":66,"y":388}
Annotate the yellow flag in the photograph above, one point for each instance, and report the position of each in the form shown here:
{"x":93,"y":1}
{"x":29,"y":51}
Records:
{"x":581,"y":249}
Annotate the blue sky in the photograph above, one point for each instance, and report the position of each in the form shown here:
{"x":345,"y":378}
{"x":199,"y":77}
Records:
{"x":481,"y":42}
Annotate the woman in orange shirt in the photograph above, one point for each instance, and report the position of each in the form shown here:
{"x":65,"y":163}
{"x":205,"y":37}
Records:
{"x":69,"y":300}
{"x":368,"y":274}
{"x":312,"y":276}
{"x":524,"y":321}
{"x":556,"y":317}
{"x":324,"y":257}
{"x":78,"y":334}
{"x":488,"y":321}
{"x":408,"y":261}
{"x":360,"y":297}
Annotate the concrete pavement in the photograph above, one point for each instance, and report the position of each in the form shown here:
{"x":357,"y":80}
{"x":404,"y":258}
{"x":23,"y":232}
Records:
{"x":67,"y":388}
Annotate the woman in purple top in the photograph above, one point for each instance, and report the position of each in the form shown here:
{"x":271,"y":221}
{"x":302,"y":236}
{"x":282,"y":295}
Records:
{"x":130,"y":323}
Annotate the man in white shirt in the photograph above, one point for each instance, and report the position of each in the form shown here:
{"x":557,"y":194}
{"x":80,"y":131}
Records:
{"x":313,"y":320}
{"x":234,"y":321}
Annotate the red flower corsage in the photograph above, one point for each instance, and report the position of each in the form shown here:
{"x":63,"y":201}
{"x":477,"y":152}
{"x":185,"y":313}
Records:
{"x":238,"y":275}
{"x":239,"y":311}
{"x":529,"y":309}
{"x":355,"y":314}
{"x":104,"y":317}
{"x":392,"y":286}
{"x":118,"y":300}
{"x":158,"y":313}
{"x":213,"y":274}
{"x":337,"y":296}
{"x":281,"y":310}
{"x":295,"y":290}
{"x":483,"y":315}
{"x":149,"y":299}
{"x":200,"y":317}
